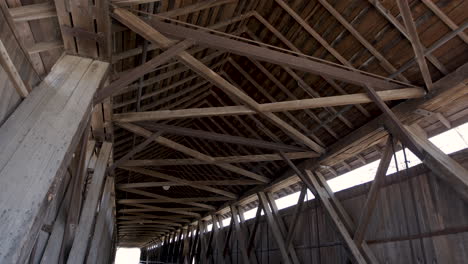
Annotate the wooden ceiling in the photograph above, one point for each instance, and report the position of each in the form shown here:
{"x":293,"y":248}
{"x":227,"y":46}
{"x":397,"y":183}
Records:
{"x":184,"y":165}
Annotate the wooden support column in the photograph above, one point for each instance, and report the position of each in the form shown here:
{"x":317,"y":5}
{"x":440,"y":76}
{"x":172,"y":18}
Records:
{"x":274,"y":227}
{"x":372,"y":196}
{"x":296,"y":214}
{"x":194,"y":245}
{"x":103,"y":230}
{"x":37,"y":143}
{"x":282,"y":226}
{"x":217,"y":227}
{"x":251,"y":242}
{"x":227,"y":239}
{"x":240,"y":235}
{"x":324,"y":198}
{"x":186,"y":245}
{"x":323,"y":193}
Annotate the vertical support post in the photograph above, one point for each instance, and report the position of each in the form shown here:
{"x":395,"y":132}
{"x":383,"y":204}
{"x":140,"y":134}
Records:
{"x":372,"y":196}
{"x":325,"y":195}
{"x":83,"y":231}
{"x":297,"y":212}
{"x":282,"y":226}
{"x":250,"y":245}
{"x":240,"y":235}
{"x":274,"y":227}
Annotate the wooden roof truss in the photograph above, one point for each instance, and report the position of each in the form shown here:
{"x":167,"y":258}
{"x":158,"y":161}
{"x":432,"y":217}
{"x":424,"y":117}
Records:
{"x":187,"y":74}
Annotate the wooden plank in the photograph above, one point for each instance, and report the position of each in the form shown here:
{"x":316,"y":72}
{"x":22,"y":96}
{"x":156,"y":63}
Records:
{"x":21,"y":87}
{"x":33,"y":12}
{"x":45,"y":46}
{"x":63,"y":106}
{"x":193,"y":184}
{"x":81,"y":13}
{"x":410,"y":25}
{"x":64,"y":19}
{"x":372,"y":196}
{"x":87,"y":217}
{"x":359,"y":98}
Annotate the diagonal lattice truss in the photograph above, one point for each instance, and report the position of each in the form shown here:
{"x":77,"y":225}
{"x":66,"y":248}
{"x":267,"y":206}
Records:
{"x":213,"y":100}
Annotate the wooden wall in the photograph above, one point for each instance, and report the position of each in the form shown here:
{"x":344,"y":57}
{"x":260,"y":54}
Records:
{"x":9,"y":98}
{"x":420,"y":220}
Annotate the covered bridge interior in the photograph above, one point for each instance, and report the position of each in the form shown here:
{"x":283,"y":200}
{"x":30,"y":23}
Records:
{"x":143,"y":123}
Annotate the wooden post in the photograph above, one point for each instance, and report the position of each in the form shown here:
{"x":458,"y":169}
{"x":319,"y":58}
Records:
{"x":372,"y":196}
{"x":21,"y":87}
{"x":274,"y":227}
{"x":240,"y":235}
{"x":83,"y":231}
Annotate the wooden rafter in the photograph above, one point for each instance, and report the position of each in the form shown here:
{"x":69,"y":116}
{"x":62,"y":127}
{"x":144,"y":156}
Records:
{"x":193,"y":184}
{"x":275,"y":57}
{"x":220,"y":137}
{"x":410,"y":25}
{"x":229,"y":159}
{"x":198,"y":155}
{"x":166,"y":198}
{"x":394,"y":21}
{"x":449,"y":22}
{"x":383,"y":61}
{"x":139,"y":26}
{"x":358,"y":98}
{"x":205,"y":183}
{"x":301,"y":82}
